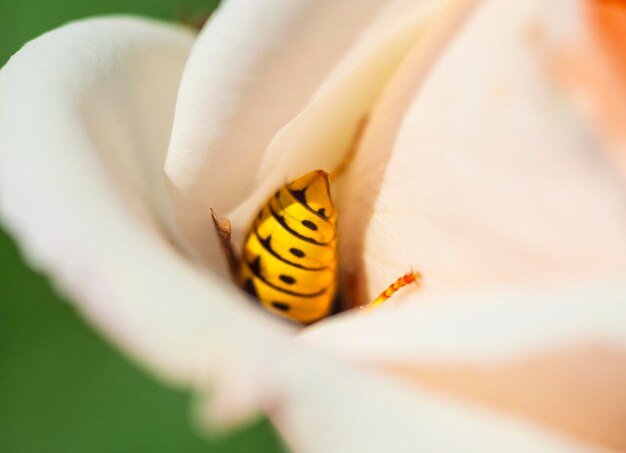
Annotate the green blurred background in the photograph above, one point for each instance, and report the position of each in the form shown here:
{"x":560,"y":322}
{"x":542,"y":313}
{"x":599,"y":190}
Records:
{"x":62,"y":388}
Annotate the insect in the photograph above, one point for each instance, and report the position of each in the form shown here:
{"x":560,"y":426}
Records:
{"x":406,"y":279}
{"x":289,"y":256}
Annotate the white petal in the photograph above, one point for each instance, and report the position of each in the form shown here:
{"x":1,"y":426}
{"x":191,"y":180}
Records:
{"x":486,"y":178}
{"x":486,"y":328}
{"x":556,"y":358}
{"x":253,"y":71}
{"x":328,"y":408}
{"x":85,"y":113}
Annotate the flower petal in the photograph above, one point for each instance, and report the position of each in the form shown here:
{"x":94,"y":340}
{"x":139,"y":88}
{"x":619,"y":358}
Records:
{"x":330,"y":408}
{"x":253,"y":71}
{"x":595,"y":75}
{"x":477,"y":173}
{"x":487,"y":328}
{"x":558,"y":358}
{"x":85,"y":113}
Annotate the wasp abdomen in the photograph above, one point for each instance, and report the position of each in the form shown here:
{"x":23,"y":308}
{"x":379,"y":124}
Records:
{"x":289,"y":256}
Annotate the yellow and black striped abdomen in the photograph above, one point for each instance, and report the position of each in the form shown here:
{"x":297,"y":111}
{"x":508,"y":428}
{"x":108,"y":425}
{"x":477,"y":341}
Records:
{"x":289,"y":257}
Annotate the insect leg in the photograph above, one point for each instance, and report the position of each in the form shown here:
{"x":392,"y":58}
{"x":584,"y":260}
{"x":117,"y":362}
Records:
{"x":354,"y":145}
{"x":395,"y":286}
{"x":224,"y":232}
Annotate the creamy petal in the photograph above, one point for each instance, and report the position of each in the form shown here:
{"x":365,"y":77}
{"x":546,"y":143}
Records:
{"x":476,"y":172}
{"x":488,"y":328}
{"x":84,"y":118}
{"x":487,"y":178}
{"x":557,"y":358}
{"x":327,"y":407}
{"x":254,"y":70}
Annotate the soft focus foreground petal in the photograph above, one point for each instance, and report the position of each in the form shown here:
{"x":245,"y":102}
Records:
{"x":485,"y":328}
{"x":84,"y":116}
{"x":254,"y":68}
{"x":487,"y":178}
{"x":326,"y":407}
{"x":557,"y":357}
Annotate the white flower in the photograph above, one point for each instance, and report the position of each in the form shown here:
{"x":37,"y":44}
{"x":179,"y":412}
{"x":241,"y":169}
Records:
{"x":478,"y":168}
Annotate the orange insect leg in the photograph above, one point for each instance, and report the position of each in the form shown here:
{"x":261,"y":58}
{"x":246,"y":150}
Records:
{"x":395,"y":286}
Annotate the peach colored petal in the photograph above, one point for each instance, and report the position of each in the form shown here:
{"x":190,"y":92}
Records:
{"x":579,"y":392}
{"x":608,"y":18}
{"x":553,"y":358}
{"x":487,"y":178}
{"x":594,"y":74}
{"x":326,"y":407}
